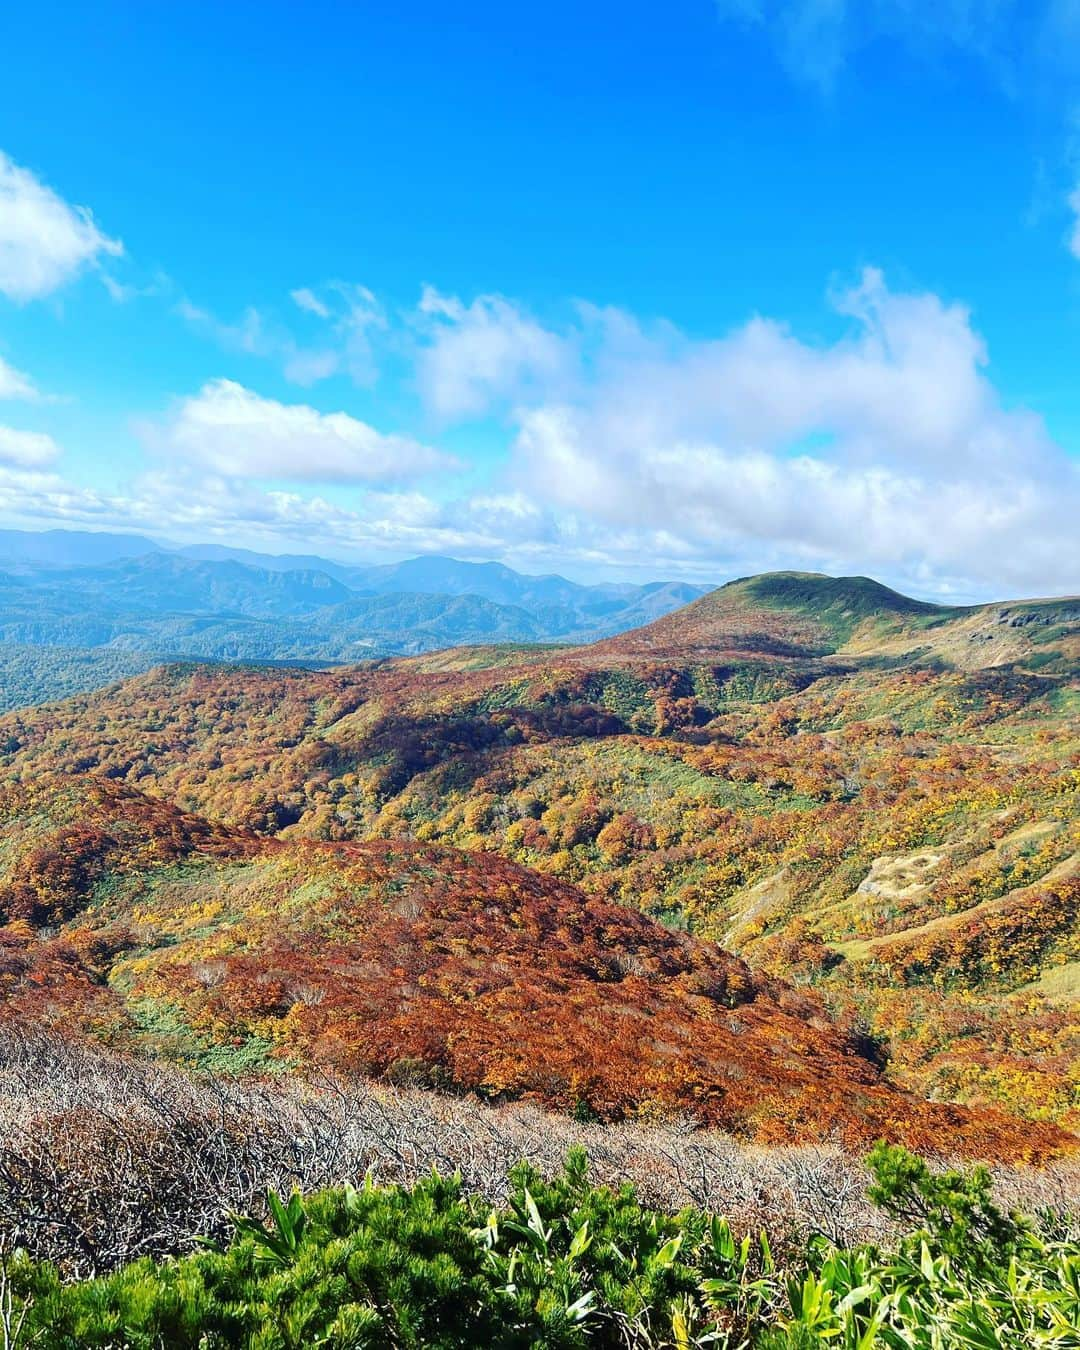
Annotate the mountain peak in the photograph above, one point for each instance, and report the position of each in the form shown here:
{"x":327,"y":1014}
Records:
{"x":780,"y":614}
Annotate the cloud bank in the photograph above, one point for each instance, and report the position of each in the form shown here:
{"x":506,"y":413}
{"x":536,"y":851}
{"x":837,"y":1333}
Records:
{"x":888,"y":449}
{"x":232,"y":431}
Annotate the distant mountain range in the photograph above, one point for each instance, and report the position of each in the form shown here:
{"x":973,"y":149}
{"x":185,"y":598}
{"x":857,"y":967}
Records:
{"x":118,"y":593}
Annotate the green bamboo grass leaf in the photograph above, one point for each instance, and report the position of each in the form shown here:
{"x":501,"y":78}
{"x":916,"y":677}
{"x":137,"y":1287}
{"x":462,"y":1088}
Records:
{"x":665,"y":1257}
{"x":580,"y":1243}
{"x":567,"y":1267}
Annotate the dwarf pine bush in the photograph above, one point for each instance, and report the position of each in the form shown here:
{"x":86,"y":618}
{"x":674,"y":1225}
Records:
{"x":565,"y":1264}
{"x":964,"y":1274}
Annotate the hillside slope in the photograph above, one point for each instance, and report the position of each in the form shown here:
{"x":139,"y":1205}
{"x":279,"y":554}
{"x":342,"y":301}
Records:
{"x":900,"y":834}
{"x":162,"y":932}
{"x":786,"y":615}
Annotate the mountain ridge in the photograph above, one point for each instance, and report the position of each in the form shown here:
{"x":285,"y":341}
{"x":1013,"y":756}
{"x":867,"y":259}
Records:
{"x":813,"y":615}
{"x":166,"y":604}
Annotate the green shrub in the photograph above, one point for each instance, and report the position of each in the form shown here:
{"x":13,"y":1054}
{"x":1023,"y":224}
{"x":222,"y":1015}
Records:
{"x":565,"y":1265}
{"x":348,"y":1268}
{"x":963,"y":1274}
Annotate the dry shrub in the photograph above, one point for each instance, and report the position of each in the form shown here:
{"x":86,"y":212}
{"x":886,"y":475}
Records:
{"x":104,"y":1158}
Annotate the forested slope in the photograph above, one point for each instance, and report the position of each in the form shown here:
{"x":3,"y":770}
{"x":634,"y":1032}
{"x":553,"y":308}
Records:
{"x":128,"y":920}
{"x":870,"y":797}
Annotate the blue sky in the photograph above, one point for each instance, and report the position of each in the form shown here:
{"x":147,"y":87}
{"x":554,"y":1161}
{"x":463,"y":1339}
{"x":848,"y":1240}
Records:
{"x":621,"y":290}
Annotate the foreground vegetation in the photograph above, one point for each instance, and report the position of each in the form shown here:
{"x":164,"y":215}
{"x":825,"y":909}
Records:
{"x":567,"y":1264}
{"x":115,"y":1172}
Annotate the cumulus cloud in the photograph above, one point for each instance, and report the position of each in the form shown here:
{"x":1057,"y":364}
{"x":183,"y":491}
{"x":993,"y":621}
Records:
{"x":44,"y":242}
{"x":235,"y":432}
{"x":484,"y":351}
{"x":887,"y":449}
{"x":906,"y":386}
{"x":787,"y":510}
{"x":26,"y":448}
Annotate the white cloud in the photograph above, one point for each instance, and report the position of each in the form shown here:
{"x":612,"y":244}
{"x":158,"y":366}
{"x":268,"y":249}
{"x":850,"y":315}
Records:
{"x":188,"y":503}
{"x":782,"y":510}
{"x":14,"y":384}
{"x":487,"y":351}
{"x":308,"y":367}
{"x":350,"y":313}
{"x":361,"y":315}
{"x":44,"y":242}
{"x":26,"y":449}
{"x":905,"y":387}
{"x":158,"y":285}
{"x":886,"y":450}
{"x":255,"y":335}
{"x":306,"y":299}
{"x":248,"y":334}
{"x":235,"y":432}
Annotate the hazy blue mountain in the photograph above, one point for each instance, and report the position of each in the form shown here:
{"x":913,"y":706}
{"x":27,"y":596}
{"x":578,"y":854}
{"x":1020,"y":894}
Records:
{"x":268,"y":562}
{"x":448,"y":576}
{"x":359,"y":629}
{"x":643,"y":605}
{"x":494,"y":581}
{"x":84,"y":592}
{"x":71,"y":548}
{"x":559,"y":601}
{"x":166,"y":582}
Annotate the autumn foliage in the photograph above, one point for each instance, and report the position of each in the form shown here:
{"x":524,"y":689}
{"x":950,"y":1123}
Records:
{"x":450,"y":868}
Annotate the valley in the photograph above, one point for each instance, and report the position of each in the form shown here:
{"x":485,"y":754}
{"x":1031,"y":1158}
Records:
{"x":764,"y":902}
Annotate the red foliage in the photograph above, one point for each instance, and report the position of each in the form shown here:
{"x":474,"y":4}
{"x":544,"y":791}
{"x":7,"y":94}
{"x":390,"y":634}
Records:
{"x":472,"y":971}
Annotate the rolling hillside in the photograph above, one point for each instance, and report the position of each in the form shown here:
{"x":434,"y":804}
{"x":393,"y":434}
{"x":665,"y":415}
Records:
{"x":875,"y":799}
{"x":128,"y":920}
